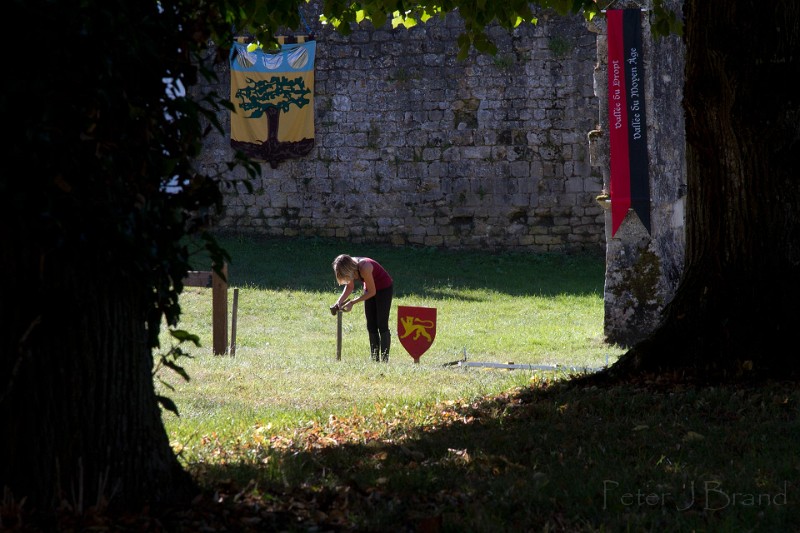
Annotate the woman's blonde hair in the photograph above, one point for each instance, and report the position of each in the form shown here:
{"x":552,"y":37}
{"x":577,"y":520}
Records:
{"x":345,"y":268}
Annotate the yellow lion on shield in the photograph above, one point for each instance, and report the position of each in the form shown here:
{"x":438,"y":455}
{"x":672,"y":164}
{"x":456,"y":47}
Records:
{"x":420,"y":328}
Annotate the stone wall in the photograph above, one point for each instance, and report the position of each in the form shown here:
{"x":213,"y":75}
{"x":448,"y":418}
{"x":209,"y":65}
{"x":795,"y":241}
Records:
{"x":415,"y":147}
{"x":504,"y":152}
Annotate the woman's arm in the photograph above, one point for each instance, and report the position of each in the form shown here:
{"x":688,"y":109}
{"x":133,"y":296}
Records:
{"x":348,"y":289}
{"x":365,"y":270}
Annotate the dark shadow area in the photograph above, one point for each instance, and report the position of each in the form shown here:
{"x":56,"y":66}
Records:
{"x":557,"y":459}
{"x":305,"y":264}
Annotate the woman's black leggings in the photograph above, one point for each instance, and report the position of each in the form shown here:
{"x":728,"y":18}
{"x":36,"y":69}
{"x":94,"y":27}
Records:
{"x":376,"y":310}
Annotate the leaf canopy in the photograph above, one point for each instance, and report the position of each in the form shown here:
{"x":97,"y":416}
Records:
{"x":476,"y":15}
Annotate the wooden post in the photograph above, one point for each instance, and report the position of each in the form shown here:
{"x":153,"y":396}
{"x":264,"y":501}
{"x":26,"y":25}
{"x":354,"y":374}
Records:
{"x":219,"y":303}
{"x":219,"y":318}
{"x":338,"y":334}
{"x":233,"y":321}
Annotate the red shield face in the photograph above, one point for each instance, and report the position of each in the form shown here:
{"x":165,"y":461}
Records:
{"x":416,"y":329}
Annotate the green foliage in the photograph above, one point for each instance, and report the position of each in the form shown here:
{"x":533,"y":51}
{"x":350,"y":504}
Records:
{"x":560,"y":46}
{"x":505,"y":62}
{"x":169,"y":360}
{"x":475,"y":15}
{"x":403,"y":75}
{"x":663,"y":21}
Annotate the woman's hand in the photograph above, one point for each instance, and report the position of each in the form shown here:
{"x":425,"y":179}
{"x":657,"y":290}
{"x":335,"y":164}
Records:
{"x":347,"y":306}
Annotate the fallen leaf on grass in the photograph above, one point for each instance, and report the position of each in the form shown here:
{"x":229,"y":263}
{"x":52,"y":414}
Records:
{"x":692,"y":436}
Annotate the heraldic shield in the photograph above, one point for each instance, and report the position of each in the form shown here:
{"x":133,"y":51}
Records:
{"x":416,"y":329}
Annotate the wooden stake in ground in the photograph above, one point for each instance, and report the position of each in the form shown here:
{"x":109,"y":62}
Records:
{"x":338,"y":334}
{"x":233,"y":321}
{"x":219,"y":310}
{"x":219,"y":302}
{"x":336,"y":310}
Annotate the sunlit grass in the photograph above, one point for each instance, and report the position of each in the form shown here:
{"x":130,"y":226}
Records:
{"x":499,"y":308}
{"x":390,"y":446}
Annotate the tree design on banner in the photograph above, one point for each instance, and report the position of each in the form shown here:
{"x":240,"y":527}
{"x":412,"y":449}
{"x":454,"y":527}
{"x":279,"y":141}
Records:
{"x":273,"y":101}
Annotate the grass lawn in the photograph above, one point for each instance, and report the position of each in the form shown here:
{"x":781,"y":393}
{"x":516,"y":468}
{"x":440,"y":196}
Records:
{"x":292,"y":439}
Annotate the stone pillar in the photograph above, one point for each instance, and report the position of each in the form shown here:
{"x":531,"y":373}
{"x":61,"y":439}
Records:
{"x":643,"y":269}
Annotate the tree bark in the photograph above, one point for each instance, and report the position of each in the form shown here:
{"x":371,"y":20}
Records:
{"x":735,"y":309}
{"x":90,"y":244}
{"x":80,"y":422}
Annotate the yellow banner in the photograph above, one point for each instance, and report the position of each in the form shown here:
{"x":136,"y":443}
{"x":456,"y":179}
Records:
{"x":273,"y":99}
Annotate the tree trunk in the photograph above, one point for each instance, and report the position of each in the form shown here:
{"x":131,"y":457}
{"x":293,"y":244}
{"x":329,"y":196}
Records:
{"x":736,"y":306}
{"x":80,"y":422}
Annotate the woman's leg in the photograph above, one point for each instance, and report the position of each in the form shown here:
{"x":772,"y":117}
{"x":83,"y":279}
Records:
{"x":383,"y":308}
{"x":371,"y":314}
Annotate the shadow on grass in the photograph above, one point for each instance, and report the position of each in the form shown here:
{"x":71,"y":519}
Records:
{"x":305,"y":264}
{"x":554,"y":458}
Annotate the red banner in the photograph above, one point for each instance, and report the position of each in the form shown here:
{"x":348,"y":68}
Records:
{"x":630,"y":180}
{"x":416,"y":329}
